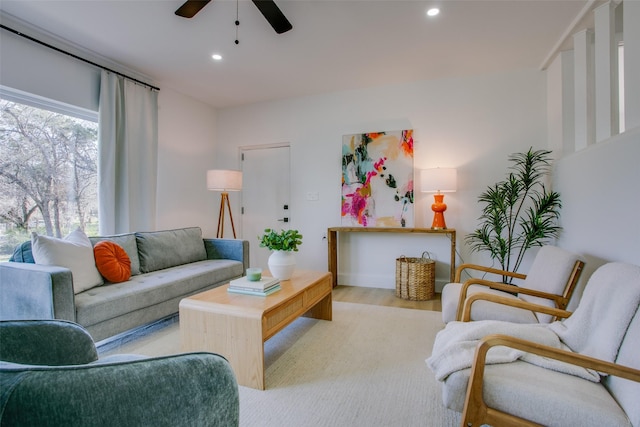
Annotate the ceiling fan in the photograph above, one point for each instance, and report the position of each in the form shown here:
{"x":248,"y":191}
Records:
{"x":268,"y":8}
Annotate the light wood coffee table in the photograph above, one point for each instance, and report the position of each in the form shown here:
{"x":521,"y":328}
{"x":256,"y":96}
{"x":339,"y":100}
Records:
{"x":236,"y":326}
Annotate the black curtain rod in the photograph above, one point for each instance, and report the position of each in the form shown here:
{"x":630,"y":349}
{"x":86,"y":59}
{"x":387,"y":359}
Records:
{"x":4,"y":27}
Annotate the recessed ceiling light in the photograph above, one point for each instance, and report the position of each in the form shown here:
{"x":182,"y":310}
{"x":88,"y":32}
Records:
{"x":433,"y":11}
{"x":216,"y":57}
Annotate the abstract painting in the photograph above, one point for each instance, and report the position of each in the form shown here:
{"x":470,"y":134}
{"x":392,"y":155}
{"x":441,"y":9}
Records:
{"x":377,"y":179}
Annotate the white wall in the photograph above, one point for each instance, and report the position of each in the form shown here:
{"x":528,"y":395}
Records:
{"x":599,"y":182}
{"x":472,"y":124}
{"x":186,"y":129}
{"x":601,"y":201}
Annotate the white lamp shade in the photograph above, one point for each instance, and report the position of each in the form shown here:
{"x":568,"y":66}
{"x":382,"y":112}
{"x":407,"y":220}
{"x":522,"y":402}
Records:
{"x":224,"y":180}
{"x":439,"y":180}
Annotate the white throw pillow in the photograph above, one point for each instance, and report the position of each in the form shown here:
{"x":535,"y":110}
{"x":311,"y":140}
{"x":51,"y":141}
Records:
{"x":74,"y":252}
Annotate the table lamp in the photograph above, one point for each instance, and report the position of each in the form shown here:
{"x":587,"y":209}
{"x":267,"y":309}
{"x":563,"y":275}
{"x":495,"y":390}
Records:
{"x":438,"y":180}
{"x":224,"y":180}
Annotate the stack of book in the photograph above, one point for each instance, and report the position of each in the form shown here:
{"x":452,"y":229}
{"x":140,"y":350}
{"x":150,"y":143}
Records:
{"x":263,"y":287}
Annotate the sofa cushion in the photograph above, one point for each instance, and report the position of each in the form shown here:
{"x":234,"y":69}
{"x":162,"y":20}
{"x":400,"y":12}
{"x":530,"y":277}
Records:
{"x":74,"y":252}
{"x":169,"y":248}
{"x":521,"y":389}
{"x":128,"y":243}
{"x":112,"y":261}
{"x":146,"y":290}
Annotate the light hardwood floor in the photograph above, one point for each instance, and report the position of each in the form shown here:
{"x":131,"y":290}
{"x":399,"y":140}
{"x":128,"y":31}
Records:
{"x":387,"y":297}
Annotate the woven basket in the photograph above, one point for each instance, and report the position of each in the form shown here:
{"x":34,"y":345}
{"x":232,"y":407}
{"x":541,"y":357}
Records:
{"x":415,"y":278}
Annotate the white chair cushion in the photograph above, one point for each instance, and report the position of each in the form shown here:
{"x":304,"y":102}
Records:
{"x":483,"y":310}
{"x":546,"y":397}
{"x":487,"y":310}
{"x":549,"y":273}
{"x":449,"y":298}
{"x":624,"y":391}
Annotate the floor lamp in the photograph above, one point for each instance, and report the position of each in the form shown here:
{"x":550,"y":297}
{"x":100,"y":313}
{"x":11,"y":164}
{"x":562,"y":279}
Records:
{"x":438,"y":180}
{"x":224,"y":180}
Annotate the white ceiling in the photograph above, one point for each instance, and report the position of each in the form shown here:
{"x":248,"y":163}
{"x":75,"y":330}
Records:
{"x":335,"y":45}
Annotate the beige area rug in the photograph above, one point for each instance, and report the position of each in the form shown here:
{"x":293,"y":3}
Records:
{"x":364,"y":368}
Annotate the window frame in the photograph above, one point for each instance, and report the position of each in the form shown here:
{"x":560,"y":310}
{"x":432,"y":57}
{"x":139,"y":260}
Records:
{"x":37,"y":101}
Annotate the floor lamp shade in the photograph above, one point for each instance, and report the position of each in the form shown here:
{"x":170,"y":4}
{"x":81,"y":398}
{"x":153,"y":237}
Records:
{"x":438,"y":180}
{"x":224,"y":180}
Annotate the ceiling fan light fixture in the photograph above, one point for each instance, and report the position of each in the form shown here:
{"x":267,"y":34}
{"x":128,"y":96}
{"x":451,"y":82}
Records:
{"x":433,"y":11}
{"x":268,"y":8}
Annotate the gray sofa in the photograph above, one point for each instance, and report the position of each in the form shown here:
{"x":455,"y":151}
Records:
{"x":166,"y":266}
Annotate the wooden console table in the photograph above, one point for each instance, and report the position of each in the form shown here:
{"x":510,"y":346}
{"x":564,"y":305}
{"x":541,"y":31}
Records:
{"x":332,"y":237}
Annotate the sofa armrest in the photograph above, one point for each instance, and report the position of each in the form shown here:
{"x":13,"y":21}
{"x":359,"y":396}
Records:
{"x":35,"y":291}
{"x":46,"y":342}
{"x":234,"y":249}
{"x":180,"y":390}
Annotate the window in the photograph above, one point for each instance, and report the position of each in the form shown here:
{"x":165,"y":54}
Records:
{"x":48,"y":169}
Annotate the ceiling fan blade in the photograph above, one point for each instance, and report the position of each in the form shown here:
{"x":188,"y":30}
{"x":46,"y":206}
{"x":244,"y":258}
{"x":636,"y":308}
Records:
{"x":191,"y":7}
{"x":274,"y":15}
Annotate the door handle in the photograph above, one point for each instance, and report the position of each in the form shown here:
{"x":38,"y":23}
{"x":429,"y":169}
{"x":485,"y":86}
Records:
{"x":285,"y":219}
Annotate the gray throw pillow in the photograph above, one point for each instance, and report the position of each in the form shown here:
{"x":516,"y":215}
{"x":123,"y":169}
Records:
{"x":164,"y":249}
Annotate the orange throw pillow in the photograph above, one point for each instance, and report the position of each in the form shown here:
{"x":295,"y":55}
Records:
{"x":112,"y":261}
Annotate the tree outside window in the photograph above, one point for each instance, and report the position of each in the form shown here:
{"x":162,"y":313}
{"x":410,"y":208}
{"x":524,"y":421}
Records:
{"x":48,"y":174}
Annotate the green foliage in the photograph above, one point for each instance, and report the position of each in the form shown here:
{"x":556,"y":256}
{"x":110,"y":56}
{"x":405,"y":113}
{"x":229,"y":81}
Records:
{"x":285,"y":240}
{"x":519,"y":212}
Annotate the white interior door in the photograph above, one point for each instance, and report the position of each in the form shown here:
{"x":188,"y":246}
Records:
{"x":265,"y":196}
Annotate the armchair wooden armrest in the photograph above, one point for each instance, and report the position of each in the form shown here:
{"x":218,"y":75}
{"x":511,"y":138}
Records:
{"x":468,"y":302}
{"x":559,"y":300}
{"x":492,"y":270}
{"x":476,"y":412}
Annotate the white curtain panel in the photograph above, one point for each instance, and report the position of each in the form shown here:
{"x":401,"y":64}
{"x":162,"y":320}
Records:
{"x":128,"y":155}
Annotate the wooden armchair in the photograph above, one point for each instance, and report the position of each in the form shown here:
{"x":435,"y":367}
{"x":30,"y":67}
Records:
{"x":477,"y":412}
{"x":602,"y":334}
{"x":551,"y":281}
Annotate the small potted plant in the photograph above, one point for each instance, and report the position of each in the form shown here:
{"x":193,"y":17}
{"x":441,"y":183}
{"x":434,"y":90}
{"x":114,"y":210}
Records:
{"x":281,"y":262}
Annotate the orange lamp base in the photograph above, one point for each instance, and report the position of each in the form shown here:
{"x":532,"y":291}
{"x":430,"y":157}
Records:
{"x":438,"y":208}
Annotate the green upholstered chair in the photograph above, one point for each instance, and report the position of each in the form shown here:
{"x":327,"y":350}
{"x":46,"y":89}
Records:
{"x":50,"y":375}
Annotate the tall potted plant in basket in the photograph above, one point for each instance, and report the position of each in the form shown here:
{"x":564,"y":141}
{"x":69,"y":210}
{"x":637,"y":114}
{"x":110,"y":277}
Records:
{"x":519,"y":212}
{"x":282,"y":261}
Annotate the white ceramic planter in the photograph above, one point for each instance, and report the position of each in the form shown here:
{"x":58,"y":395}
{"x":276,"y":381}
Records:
{"x":282,"y":264}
